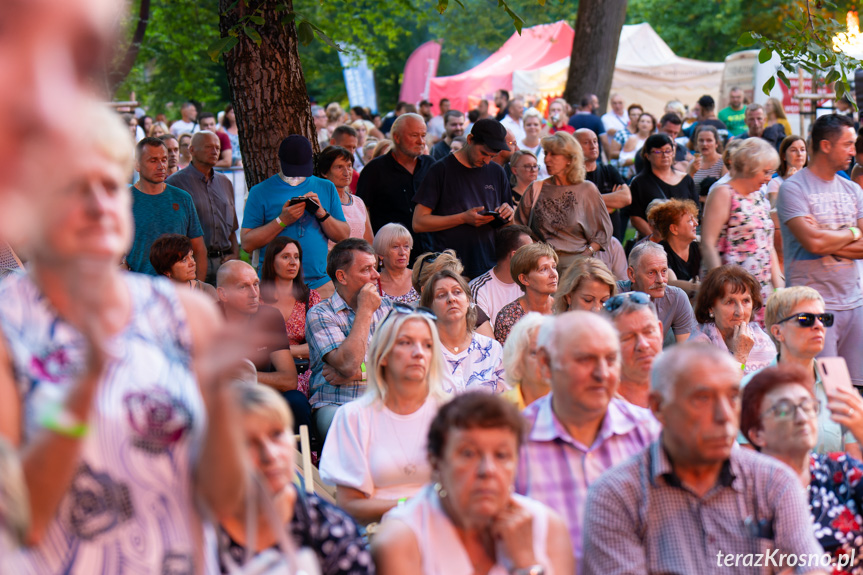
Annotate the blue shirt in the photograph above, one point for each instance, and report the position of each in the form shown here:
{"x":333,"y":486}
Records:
{"x":171,"y":212}
{"x":581,"y":120}
{"x":265,"y":203}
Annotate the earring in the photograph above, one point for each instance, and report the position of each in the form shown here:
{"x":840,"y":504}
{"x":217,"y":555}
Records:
{"x":441,"y":492}
{"x":710,"y":314}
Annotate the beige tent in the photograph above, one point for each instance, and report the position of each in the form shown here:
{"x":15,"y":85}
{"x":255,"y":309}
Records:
{"x":647,"y":71}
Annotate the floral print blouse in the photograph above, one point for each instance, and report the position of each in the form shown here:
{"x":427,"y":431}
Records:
{"x":835,"y":496}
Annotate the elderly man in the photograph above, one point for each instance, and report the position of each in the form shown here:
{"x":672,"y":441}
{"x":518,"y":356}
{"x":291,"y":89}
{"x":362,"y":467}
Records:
{"x":213,"y":195}
{"x":609,"y":182}
{"x":648,"y":273}
{"x":207,"y":121}
{"x":581,"y":428}
{"x":188,"y":122}
{"x":296,"y":204}
{"x":693,"y":502}
{"x":340,"y":328}
{"x":616,"y":119}
{"x":755,"y":120}
{"x":640,"y":333}
{"x":454,"y":127}
{"x":457,"y":193}
{"x":388,"y":184}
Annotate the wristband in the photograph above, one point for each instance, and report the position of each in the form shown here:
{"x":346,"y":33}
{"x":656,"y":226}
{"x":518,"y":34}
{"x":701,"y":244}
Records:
{"x":855,"y":233}
{"x":401,"y":502}
{"x":280,"y":222}
{"x":323,"y":218}
{"x":363,"y":369}
{"x":743,"y":367}
{"x":55,"y":418}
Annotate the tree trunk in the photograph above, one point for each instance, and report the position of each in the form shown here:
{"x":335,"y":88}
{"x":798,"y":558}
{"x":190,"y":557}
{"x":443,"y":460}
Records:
{"x":594,"y":49}
{"x":118,"y":74}
{"x":268,"y":89}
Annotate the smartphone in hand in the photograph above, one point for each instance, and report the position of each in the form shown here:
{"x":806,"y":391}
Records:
{"x":834,"y":373}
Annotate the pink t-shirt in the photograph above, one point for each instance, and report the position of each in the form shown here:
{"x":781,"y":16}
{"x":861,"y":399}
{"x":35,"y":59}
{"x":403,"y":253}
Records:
{"x":356,"y":216}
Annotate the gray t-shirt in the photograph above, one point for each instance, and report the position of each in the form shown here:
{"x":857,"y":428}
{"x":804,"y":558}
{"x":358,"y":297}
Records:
{"x":673,"y":310}
{"x":836,"y":205}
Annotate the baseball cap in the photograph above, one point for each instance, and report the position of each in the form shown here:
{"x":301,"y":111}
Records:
{"x":490,"y":133}
{"x":295,"y":157}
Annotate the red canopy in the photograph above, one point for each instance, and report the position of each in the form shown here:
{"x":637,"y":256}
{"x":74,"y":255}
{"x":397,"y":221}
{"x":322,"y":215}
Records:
{"x":536,"y":47}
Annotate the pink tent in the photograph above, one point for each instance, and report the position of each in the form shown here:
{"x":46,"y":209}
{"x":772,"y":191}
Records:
{"x":536,"y":47}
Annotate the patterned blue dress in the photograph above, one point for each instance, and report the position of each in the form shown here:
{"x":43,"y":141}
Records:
{"x":477,"y":368}
{"x":129,"y":508}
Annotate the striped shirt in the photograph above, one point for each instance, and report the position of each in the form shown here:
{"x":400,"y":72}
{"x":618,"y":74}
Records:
{"x":328,"y":324}
{"x":557,"y":470}
{"x":640,"y":518}
{"x":491,"y":294}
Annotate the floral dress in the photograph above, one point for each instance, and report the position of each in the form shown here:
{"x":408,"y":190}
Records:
{"x":746,"y":239}
{"x":835,"y":493}
{"x":507,"y":317}
{"x":296,"y":325}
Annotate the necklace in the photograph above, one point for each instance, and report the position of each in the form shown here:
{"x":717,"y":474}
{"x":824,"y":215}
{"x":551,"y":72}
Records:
{"x":456,"y":348}
{"x":409,"y":466}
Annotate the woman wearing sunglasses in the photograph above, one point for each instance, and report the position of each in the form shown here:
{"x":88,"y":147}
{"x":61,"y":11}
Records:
{"x":374,"y":453}
{"x":474,"y":362}
{"x":779,"y":417}
{"x":725,"y":310}
{"x":797,"y":323}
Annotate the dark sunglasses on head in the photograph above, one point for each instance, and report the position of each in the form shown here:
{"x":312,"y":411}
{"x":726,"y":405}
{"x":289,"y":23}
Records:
{"x":615,"y":302}
{"x":807,"y":319}
{"x":427,"y":260}
{"x":404,"y":309}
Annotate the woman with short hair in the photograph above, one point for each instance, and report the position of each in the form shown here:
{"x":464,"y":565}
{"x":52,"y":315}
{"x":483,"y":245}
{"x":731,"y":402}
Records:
{"x":393,"y":244}
{"x":521,"y":363}
{"x":374,"y":448}
{"x":525,"y":168}
{"x":532,"y":121}
{"x":585,"y":285}
{"x":336,"y":164}
{"x":565,"y":210}
{"x":534,"y":269}
{"x":737,"y":228}
{"x":676,"y":222}
{"x":171,"y":255}
{"x":470,"y":520}
{"x":473,"y":361}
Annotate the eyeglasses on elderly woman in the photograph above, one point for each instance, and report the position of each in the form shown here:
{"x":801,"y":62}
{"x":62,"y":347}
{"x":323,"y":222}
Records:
{"x":785,"y":409}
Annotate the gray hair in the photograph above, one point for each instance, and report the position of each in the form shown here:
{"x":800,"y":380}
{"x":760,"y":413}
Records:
{"x":642,"y":249}
{"x":751,"y":156}
{"x":401,"y":120}
{"x":388,"y":235}
{"x":672,"y":365}
{"x":518,"y":344}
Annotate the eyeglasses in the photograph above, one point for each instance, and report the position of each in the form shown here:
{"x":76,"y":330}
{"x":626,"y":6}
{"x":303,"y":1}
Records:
{"x":615,"y":302}
{"x":429,"y":260}
{"x":784,"y":409}
{"x":662,"y":152}
{"x":404,"y":309}
{"x":806,"y":319}
{"x":530,"y":167}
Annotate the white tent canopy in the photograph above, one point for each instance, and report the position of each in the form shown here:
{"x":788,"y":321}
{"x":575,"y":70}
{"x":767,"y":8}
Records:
{"x":646,"y":71}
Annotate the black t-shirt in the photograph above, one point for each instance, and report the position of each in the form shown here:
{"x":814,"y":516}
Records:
{"x":679,"y":156}
{"x":387,"y":189}
{"x":451,"y":188}
{"x":440,"y":150}
{"x":684,"y":270}
{"x":605,"y":178}
{"x":646,"y":187}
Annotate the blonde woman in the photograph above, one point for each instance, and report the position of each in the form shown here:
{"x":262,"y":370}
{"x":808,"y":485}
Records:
{"x":564,"y":210}
{"x":375,"y":449}
{"x":776,"y":115}
{"x":585,"y":285}
{"x":521,"y":365}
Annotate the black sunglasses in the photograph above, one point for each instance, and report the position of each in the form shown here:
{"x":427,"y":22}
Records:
{"x":429,"y":260}
{"x":806,"y":319}
{"x":615,"y":302}
{"x":404,"y":309}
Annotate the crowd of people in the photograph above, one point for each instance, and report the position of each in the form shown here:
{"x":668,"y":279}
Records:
{"x":514,"y":345}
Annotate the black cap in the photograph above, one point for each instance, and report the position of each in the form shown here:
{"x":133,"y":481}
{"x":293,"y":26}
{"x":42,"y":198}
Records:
{"x":425,"y":103}
{"x":295,"y":156}
{"x":490,"y":133}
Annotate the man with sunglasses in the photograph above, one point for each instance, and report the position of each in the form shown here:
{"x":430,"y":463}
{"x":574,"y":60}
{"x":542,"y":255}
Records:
{"x":821,"y":214}
{"x":455,"y":198}
{"x":340,"y":328}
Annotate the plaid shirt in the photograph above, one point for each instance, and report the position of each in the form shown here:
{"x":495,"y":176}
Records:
{"x":640,"y":518}
{"x":328,"y":324}
{"x":556,"y":469}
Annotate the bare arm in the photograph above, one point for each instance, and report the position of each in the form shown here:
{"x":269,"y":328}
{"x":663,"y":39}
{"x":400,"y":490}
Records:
{"x":285,"y":376}
{"x":361,"y":507}
{"x":819,"y":241}
{"x":425,"y":221}
{"x":368,"y":235}
{"x":641,"y":225}
{"x":199,"y":252}
{"x":559,"y":545}
{"x":716,"y":212}
{"x":681,"y":337}
{"x":619,"y":198}
{"x":225,"y":159}
{"x":300,"y":351}
{"x":395,"y":549}
{"x":220,"y":470}
{"x":336,"y":230}
{"x":254,"y":238}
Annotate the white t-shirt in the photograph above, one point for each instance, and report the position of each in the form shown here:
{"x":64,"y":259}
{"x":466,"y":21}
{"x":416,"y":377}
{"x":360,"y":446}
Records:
{"x":376,"y":451}
{"x":491,"y":294}
{"x":516,"y":127}
{"x":181,"y":127}
{"x":436,"y":128}
{"x":612,"y":121}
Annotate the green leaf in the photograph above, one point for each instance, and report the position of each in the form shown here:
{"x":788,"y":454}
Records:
{"x":832,"y":76}
{"x":442,"y":5}
{"x":840,"y":89}
{"x":746,"y":39}
{"x":288,"y":18}
{"x":257,"y":20}
{"x":220,"y":46}
{"x":764,"y":55}
{"x":783,"y":77}
{"x":326,"y":39}
{"x":768,"y":85}
{"x":253,"y":34}
{"x":305,"y":33}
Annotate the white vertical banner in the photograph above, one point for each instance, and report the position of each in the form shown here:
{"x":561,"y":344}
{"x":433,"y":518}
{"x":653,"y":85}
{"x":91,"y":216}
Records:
{"x":359,"y":79}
